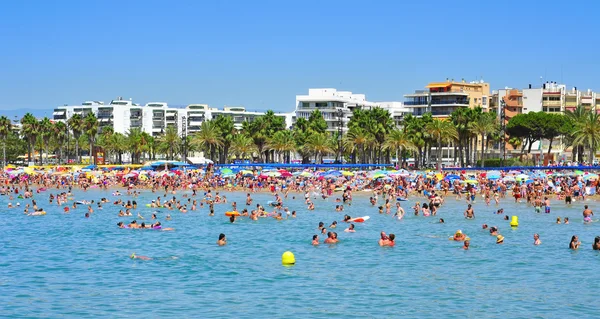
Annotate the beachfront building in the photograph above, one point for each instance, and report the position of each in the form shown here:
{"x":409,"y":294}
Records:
{"x":443,"y":98}
{"x":154,"y":117}
{"x":337,"y":107}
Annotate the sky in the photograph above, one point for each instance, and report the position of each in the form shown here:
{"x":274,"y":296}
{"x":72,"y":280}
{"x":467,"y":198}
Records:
{"x":261,"y":54}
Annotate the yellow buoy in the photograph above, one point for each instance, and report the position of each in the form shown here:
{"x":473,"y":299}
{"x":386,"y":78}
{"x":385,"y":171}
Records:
{"x":514,"y":222}
{"x":288,"y":258}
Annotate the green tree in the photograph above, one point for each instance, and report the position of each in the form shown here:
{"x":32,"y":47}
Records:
{"x":587,"y":132}
{"x":46,"y":129}
{"x":59,"y":135}
{"x":29,"y":129}
{"x":170,"y":141}
{"x":76,"y":124}
{"x":316,"y":122}
{"x":91,"y":130}
{"x":227,"y":131}
{"x":318,"y":144}
{"x":398,"y":141}
{"x":242,"y":145}
{"x":5,"y":131}
{"x":208,"y":138}
{"x":282,"y":143}
{"x":483,"y":126}
{"x":441,"y":130}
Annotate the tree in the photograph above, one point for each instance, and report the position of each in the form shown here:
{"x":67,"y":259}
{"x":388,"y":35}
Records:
{"x":482,"y":126}
{"x":521,"y":127}
{"x":441,"y":130}
{"x":29,"y":129}
{"x":5,"y":130}
{"x":59,"y":135}
{"x":398,"y":141}
{"x":170,"y":141}
{"x":575,"y":116}
{"x":227,"y":131}
{"x":282,"y":143}
{"x":587,"y":132}
{"x":316,"y":122}
{"x":46,"y":130}
{"x":356,"y":140}
{"x":77,"y":127}
{"x":91,"y":129}
{"x":242,"y":145}
{"x":318,"y":144}
{"x":208,"y":138}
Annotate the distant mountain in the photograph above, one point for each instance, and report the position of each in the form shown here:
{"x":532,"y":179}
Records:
{"x":39,"y":113}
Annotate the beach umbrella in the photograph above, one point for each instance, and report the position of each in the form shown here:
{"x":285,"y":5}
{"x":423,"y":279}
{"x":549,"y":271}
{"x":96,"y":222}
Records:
{"x":379,"y":175}
{"x":346,"y":173}
{"x":451,"y":177}
{"x":286,"y":174}
{"x":578,"y":172}
{"x":306,"y":174}
{"x":522,"y":177}
{"x":471,"y":181}
{"x":592,"y":177}
{"x":508,"y":179}
{"x":226,"y":171}
{"x":273,"y":174}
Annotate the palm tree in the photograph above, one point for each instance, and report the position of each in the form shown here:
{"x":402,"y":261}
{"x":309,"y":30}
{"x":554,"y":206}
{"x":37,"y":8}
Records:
{"x":441,"y":130}
{"x":5,"y":130}
{"x":91,"y":129}
{"x":29,"y":129}
{"x":576,"y":116}
{"x":208,"y":138}
{"x":241,"y":145}
{"x":46,"y":129}
{"x":170,"y":140}
{"x":282,"y":143}
{"x":398,"y":141}
{"x":484,"y":125}
{"x":118,"y":144}
{"x":60,"y":137}
{"x":77,"y":126}
{"x":318,"y":144}
{"x":587,"y":132}
{"x":227,"y":131}
{"x":355,"y":142}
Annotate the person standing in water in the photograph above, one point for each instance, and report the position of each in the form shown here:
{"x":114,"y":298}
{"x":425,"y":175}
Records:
{"x":469,"y":212}
{"x":587,"y":214}
{"x":222,"y":240}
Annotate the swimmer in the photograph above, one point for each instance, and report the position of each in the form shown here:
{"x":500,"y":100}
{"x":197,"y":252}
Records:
{"x":330,"y":238}
{"x":536,"y":239}
{"x":566,"y":221}
{"x":587,"y":214}
{"x":387,"y":240}
{"x":596,"y":244}
{"x":315,"y":240}
{"x":222,"y":240}
{"x":466,"y":245}
{"x":442,"y":221}
{"x":350,"y":229}
{"x":499,"y":239}
{"x":484,"y":226}
{"x":469,"y":212}
{"x":558,"y":220}
{"x":333,"y":225}
{"x":459,"y":236}
{"x":134,"y":256}
{"x":574,"y":244}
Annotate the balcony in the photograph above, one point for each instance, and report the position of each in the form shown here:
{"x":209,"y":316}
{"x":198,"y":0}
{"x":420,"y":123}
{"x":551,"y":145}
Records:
{"x":551,"y":103}
{"x":510,"y":113}
{"x":171,"y":118}
{"x":450,"y":102}
{"x":105,"y":115}
{"x":136,"y":124}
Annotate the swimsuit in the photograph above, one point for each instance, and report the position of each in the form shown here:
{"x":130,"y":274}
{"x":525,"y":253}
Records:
{"x":547,"y":209}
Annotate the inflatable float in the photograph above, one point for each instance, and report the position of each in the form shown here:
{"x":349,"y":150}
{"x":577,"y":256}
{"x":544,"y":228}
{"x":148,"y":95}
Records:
{"x":82,"y":202}
{"x":358,"y":219}
{"x":229,"y":214}
{"x":150,"y":205}
{"x":400,"y":199}
{"x":272,"y":203}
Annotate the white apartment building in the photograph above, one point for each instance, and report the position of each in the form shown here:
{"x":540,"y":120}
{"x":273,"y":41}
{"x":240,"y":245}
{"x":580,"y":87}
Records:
{"x":154,"y":117}
{"x":337,"y":107}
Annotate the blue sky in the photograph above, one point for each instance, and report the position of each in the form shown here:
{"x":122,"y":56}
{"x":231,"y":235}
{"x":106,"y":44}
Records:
{"x":260,"y":54}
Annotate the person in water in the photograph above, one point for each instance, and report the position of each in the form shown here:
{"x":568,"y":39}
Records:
{"x":222,"y":240}
{"x":499,"y":239}
{"x":330,"y":238}
{"x":459,"y":236}
{"x":134,"y":256}
{"x":350,"y":229}
{"x":315,"y":240}
{"x":469,"y":212}
{"x":536,"y":239}
{"x":386,"y":240}
{"x":574,"y":244}
{"x":596,"y":244}
{"x":587,"y":214}
{"x":466,"y":244}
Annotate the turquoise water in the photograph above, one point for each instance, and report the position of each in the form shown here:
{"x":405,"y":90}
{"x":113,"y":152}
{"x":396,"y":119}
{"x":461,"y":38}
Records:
{"x":69,"y":266}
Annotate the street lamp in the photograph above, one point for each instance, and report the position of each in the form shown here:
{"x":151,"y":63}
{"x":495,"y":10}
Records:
{"x":340,"y":112}
{"x":184,"y":137}
{"x":503,"y":130}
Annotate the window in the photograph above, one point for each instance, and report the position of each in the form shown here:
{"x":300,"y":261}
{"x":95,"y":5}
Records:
{"x":484,"y":100}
